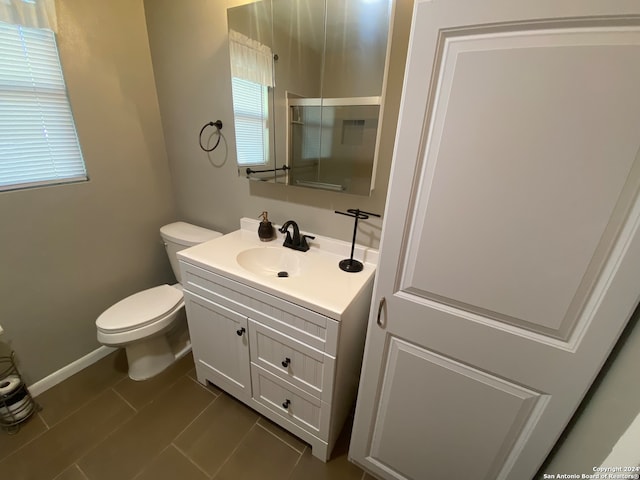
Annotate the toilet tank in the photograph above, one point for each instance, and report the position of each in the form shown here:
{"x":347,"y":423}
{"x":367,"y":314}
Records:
{"x":180,"y":235}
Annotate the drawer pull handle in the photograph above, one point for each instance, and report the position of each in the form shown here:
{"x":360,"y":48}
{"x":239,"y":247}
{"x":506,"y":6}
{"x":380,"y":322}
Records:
{"x":240,"y":332}
{"x":286,"y":362}
{"x":286,"y":404}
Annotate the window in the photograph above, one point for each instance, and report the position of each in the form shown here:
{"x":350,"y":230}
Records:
{"x":251,"y":114}
{"x":251,"y":78}
{"x":38,"y":140}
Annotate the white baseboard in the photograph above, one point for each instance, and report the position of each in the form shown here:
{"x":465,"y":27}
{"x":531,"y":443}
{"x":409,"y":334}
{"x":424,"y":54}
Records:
{"x":186,"y":349}
{"x":65,"y":372}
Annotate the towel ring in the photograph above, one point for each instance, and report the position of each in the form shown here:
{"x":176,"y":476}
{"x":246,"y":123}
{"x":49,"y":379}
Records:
{"x":218,"y":125}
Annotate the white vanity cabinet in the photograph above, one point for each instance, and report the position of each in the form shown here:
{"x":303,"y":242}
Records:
{"x":293,"y":364}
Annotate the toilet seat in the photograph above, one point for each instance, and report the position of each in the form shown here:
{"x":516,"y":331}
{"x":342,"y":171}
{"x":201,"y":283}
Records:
{"x":140,"y":310}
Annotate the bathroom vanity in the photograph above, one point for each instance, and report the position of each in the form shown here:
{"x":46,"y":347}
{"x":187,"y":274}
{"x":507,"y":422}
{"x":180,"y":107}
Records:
{"x":288,"y":346}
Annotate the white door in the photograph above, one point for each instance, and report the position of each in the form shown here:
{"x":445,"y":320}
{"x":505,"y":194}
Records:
{"x":510,"y":253}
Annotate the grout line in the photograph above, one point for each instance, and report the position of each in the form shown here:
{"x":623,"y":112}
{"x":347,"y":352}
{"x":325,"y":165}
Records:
{"x":240,"y":442}
{"x":81,"y":471}
{"x":65,"y":470}
{"x":166,"y":386}
{"x":93,"y":448}
{"x":298,"y":461}
{"x":13,"y":452}
{"x":135,"y":412}
{"x":149,"y":463}
{"x":43,"y":421}
{"x":189,"y":459}
{"x":194,"y":380}
{"x":82,"y":405}
{"x":118,"y":394}
{"x":281,"y":439}
{"x":109,"y":385}
{"x":48,"y":428}
{"x":195,"y":418}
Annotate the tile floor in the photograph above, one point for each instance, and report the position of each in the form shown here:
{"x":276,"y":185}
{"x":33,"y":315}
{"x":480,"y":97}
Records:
{"x":100,"y":425}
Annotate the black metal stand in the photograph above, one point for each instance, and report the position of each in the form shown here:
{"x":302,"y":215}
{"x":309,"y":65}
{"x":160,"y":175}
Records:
{"x":349,"y":264}
{"x":16,"y":403}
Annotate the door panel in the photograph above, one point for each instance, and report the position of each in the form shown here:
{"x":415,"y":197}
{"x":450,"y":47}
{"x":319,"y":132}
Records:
{"x":516,"y":115}
{"x":510,"y":247}
{"x":437,"y":389}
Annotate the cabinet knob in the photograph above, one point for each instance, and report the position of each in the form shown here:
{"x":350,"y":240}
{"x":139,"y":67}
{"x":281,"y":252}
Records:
{"x":241,"y":331}
{"x":286,"y":404}
{"x":286,"y":362}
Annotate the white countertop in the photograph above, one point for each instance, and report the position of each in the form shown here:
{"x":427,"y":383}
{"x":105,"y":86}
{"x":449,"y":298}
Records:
{"x":321,"y":285}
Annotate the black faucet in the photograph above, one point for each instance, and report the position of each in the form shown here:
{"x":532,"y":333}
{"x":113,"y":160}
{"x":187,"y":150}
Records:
{"x":297,"y":242}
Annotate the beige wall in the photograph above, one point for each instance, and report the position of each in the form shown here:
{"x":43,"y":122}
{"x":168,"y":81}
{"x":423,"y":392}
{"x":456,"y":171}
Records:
{"x":68,"y":252}
{"x":189,"y":49}
{"x":607,"y":411}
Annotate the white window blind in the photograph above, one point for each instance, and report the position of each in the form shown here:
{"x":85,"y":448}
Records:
{"x":38,"y":140}
{"x":251,"y":115}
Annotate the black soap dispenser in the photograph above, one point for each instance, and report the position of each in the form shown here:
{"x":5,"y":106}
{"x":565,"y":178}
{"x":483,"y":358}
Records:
{"x":265,"y":230}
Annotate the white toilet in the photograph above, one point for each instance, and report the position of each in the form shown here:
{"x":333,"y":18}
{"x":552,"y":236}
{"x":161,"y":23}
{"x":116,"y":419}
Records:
{"x":140,"y":322}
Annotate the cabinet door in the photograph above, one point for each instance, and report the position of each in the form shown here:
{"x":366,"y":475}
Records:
{"x":220,"y":345}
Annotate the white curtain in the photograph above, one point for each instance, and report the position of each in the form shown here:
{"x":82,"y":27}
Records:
{"x":29,"y":13}
{"x":250,"y":59}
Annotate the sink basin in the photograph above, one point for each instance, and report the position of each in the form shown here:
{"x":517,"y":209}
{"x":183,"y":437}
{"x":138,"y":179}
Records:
{"x":270,"y":261}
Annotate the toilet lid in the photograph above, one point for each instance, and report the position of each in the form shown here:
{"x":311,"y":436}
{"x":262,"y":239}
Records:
{"x":140,"y":309}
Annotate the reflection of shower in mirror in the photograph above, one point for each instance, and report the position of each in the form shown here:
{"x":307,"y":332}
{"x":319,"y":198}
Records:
{"x":314,"y":102}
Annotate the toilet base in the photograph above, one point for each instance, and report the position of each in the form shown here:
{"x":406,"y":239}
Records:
{"x":149,"y":357}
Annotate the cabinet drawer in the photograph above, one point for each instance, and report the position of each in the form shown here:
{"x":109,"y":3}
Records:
{"x":288,"y":401}
{"x":295,"y":362}
{"x":298,"y":322}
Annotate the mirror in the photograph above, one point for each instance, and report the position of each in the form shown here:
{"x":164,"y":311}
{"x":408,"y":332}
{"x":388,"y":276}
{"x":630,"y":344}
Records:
{"x":307,"y":83}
